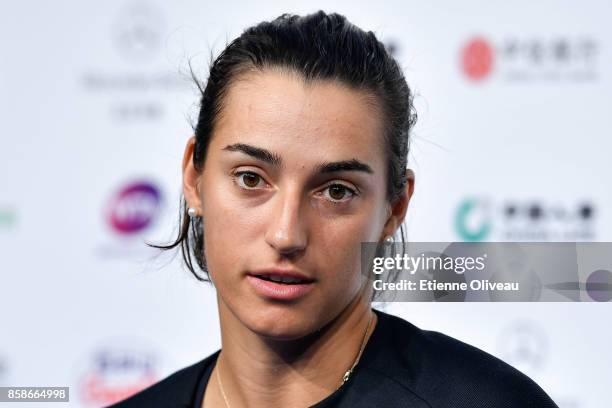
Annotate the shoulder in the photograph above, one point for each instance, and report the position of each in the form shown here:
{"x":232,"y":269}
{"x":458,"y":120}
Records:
{"x":444,"y":371}
{"x":175,"y":390}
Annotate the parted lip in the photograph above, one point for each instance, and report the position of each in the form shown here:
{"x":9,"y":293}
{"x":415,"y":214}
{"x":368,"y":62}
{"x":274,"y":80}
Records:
{"x":283,"y":273}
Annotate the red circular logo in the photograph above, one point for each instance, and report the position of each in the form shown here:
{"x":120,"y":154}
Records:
{"x":477,"y":59}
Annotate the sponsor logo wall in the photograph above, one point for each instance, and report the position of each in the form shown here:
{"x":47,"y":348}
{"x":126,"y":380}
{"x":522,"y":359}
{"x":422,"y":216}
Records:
{"x":512,"y":144}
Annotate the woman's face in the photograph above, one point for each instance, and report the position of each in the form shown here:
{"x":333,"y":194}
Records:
{"x":294,"y":179}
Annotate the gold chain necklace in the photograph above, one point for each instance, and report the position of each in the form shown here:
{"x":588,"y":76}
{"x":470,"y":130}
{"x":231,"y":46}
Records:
{"x":345,"y":377}
{"x":221,"y":388}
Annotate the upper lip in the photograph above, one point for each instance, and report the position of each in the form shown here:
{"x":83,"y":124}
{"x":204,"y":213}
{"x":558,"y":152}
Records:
{"x":284,"y":273}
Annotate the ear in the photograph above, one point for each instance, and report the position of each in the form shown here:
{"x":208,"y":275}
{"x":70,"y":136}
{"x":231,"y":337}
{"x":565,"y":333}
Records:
{"x":399,"y":208}
{"x":191,"y":178}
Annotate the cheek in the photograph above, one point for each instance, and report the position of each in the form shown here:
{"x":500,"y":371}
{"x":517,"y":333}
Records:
{"x":228,"y":213}
{"x":339,"y":244}
{"x":227,"y":227}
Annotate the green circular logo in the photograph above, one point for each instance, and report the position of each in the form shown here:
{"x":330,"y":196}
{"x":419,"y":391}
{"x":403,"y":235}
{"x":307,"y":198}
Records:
{"x":472,"y":220}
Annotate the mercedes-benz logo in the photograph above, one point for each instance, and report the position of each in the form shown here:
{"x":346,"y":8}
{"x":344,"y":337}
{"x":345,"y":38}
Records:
{"x":138,"y":31}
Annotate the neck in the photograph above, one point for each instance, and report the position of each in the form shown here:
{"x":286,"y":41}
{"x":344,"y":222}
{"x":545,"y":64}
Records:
{"x":260,"y":372}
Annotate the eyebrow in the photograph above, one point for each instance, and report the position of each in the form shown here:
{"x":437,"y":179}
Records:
{"x":276,"y":161}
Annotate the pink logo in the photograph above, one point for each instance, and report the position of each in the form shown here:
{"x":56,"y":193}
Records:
{"x":477,"y":59}
{"x":115,"y":375}
{"x":134,"y":207}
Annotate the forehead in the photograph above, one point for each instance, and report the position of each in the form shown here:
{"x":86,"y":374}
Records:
{"x":278,"y":110}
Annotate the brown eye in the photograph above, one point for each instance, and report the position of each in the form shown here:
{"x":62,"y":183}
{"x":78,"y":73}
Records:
{"x":251,"y":180}
{"x":339,"y":192}
{"x":248,"y":180}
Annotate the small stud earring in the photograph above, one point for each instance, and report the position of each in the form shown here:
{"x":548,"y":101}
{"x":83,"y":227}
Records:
{"x":390,"y":239}
{"x":192,"y":212}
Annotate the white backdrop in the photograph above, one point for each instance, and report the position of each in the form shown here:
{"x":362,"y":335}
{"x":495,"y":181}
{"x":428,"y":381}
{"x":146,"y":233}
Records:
{"x":512,"y":143}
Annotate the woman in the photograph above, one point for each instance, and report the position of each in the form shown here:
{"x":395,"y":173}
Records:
{"x":299,"y":156}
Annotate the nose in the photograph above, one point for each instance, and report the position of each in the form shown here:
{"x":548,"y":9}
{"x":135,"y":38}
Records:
{"x":286,"y":232}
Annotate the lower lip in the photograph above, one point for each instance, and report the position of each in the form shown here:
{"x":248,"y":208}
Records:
{"x":279,"y":291}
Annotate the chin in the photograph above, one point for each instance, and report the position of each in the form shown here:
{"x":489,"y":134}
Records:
{"x":280,"y":323}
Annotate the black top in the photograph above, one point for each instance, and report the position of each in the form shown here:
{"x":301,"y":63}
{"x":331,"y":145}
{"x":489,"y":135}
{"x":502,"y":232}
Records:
{"x":401,"y":366}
